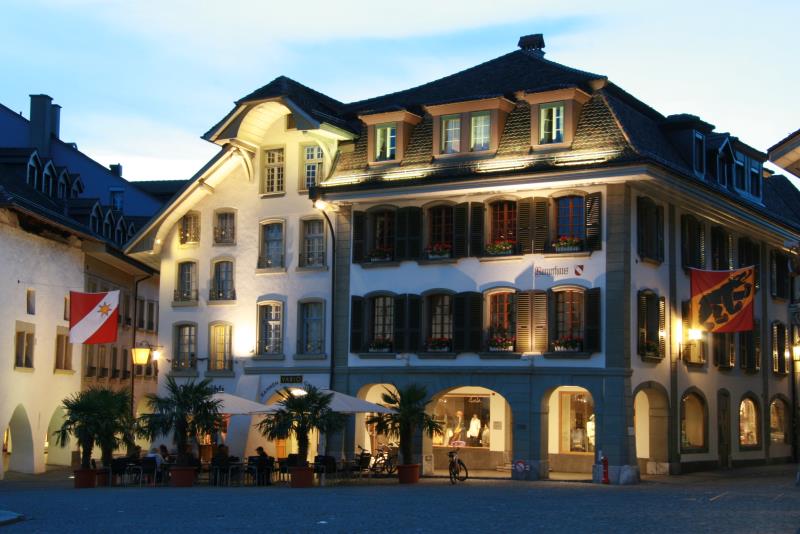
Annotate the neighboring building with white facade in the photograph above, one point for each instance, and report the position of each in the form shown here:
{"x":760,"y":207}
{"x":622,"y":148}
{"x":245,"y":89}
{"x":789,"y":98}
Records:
{"x":56,"y":238}
{"x":516,"y":237}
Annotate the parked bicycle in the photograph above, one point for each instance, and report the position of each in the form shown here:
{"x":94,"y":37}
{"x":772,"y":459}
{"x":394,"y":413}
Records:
{"x":385,"y":461}
{"x":458,"y":471}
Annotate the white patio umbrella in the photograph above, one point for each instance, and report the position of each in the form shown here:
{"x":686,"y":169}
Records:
{"x":235,"y":405}
{"x":340,"y":403}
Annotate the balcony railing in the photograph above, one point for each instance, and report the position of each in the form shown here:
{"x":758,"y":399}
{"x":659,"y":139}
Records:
{"x":222,"y":294}
{"x":185,"y":295}
{"x":267,"y":262}
{"x":191,"y":235}
{"x":312,"y":260}
{"x":224,"y":235}
{"x":184,"y":363}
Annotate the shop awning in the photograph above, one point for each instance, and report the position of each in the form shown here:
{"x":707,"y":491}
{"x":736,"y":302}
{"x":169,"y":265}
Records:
{"x":235,"y":405}
{"x":341,"y":403}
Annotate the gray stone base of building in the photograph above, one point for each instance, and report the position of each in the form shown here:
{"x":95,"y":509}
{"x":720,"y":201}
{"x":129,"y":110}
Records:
{"x":530,"y":470}
{"x":617,"y":474}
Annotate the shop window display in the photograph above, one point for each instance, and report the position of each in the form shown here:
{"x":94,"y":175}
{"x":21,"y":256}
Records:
{"x":692,"y":422}
{"x":465,"y":421}
{"x":748,"y":423}
{"x":778,"y":423}
{"x":577,"y":422}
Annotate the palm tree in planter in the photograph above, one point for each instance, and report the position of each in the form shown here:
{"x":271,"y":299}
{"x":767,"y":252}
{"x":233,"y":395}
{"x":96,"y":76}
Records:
{"x":409,"y":415}
{"x":300,"y":412}
{"x":96,"y":416}
{"x":188,"y":411}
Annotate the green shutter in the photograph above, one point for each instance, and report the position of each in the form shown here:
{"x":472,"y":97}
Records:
{"x":539,"y":321}
{"x":460,"y":230}
{"x":594,"y":221}
{"x":474,"y":322}
{"x":460,"y":322}
{"x":359,"y":235}
{"x":522,"y":317}
{"x":641,"y":322}
{"x":408,"y":233}
{"x":413,"y":323}
{"x":400,"y":324}
{"x":540,"y":225}
{"x":524,"y":225}
{"x":357,"y":338}
{"x":476,"y":239}
{"x":591,"y":341}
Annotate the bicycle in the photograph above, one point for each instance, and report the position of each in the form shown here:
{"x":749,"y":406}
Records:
{"x":384,"y":462}
{"x":458,"y":471}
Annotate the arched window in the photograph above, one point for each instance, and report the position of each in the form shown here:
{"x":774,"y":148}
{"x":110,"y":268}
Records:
{"x":501,"y":316}
{"x":94,"y":220}
{"x":119,"y":232}
{"x":32,"y":173}
{"x":693,"y":423}
{"x":748,"y":423}
{"x":502,"y":227}
{"x":439,"y":308}
{"x":440,"y":230}
{"x":77,"y":188}
{"x":270,"y":328}
{"x":63,"y":186}
{"x":219,"y":339}
{"x":108,"y":225}
{"x":222,"y":287}
{"x":186,"y":284}
{"x":570,"y":218}
{"x":49,"y":179}
{"x":382,"y":226}
{"x":190,"y":228}
{"x":778,"y":421}
{"x":225,"y":227}
{"x":185,"y":351}
{"x":569,"y":317}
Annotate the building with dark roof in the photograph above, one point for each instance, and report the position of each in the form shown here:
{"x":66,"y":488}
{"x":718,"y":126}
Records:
{"x":519,"y":238}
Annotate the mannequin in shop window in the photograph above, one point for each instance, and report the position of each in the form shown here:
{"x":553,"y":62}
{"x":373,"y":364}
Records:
{"x":458,"y":430}
{"x":474,"y":432}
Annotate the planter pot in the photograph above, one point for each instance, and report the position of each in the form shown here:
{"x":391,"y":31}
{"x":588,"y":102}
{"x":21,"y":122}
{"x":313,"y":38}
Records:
{"x":101,"y":477}
{"x":182,"y":477}
{"x":302,"y":477}
{"x":408,"y":474}
{"x":572,"y":248}
{"x":85,"y":478}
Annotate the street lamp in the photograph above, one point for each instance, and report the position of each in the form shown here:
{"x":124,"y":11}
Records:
{"x":325,"y":207}
{"x":140,"y":356}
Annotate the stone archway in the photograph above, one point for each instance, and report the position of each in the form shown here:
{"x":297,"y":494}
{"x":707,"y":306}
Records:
{"x":56,"y":454}
{"x":571,"y":431}
{"x":651,"y":424}
{"x":20,"y":442}
{"x":364,"y":435}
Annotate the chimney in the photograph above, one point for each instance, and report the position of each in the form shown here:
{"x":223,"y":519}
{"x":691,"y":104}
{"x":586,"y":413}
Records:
{"x":533,"y":44}
{"x":40,"y":127}
{"x":55,"y":120}
{"x":116,"y":169}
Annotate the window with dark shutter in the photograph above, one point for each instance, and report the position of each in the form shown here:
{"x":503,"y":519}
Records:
{"x":359,"y":236}
{"x":408,"y":234}
{"x":649,"y":229}
{"x":501,"y":327}
{"x":748,"y":360}
{"x":651,"y":322}
{"x":693,"y":350}
{"x":724,"y":350}
{"x":382,"y":241}
{"x":525,"y":225}
{"x":693,"y":243}
{"x":749,"y":254}
{"x":381,"y":321}
{"x":461,"y":230}
{"x":476,"y":210}
{"x":779,"y":275}
{"x":779,"y":348}
{"x":594,"y":233}
{"x":413,"y":322}
{"x":541,"y":231}
{"x":356,"y":324}
{"x":523,"y":341}
{"x":441,"y":232}
{"x":539,"y":321}
{"x":592,"y":328}
{"x":502,"y":228}
{"x":440,"y":322}
{"x":720,"y":249}
{"x":466,"y":321}
{"x":400,"y":324}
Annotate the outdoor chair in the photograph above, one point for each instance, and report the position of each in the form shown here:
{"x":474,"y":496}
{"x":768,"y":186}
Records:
{"x":325,"y":465}
{"x":119,"y":468}
{"x":259,"y":470}
{"x":360,"y":466}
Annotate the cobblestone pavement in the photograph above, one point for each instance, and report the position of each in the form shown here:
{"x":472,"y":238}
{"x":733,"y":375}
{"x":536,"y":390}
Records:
{"x":747,"y":500}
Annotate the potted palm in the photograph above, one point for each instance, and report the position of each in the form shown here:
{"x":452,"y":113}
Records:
{"x":95,"y":416}
{"x":299,"y":412}
{"x":188,"y":411}
{"x":408,"y":416}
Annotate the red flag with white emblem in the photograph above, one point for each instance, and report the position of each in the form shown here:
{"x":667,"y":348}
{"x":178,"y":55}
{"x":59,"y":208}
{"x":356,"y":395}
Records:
{"x":93,"y":317}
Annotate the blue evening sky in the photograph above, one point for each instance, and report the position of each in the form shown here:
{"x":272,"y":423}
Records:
{"x":141,"y":80}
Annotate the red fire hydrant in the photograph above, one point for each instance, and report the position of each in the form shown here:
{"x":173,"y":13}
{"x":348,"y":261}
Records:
{"x":604,"y":462}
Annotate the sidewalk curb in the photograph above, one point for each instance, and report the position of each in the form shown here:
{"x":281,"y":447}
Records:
{"x":8,"y":518}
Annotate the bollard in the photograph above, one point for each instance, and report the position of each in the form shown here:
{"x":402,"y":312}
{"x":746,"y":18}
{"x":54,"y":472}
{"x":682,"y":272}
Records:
{"x":604,"y":461}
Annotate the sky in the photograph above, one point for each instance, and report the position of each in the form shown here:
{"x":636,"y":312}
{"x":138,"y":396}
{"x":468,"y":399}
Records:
{"x":140,"y":81}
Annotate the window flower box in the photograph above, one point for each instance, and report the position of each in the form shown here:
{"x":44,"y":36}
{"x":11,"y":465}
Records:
{"x":380,"y":254}
{"x":501,"y":247}
{"x":439,"y":344}
{"x":380,"y":344}
{"x":648,"y":348}
{"x":501,"y":342}
{"x":568,"y":344}
{"x":568,"y":244}
{"x":439,"y":251}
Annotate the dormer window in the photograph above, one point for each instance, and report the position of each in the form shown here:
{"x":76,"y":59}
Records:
{"x":451,"y":134}
{"x":755,"y":179}
{"x":739,"y":174}
{"x":699,"y":150}
{"x":551,"y":123}
{"x":480,"y":131}
{"x":385,"y":142}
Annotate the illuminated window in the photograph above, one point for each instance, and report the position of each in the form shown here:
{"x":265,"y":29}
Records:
{"x":504,"y":223}
{"x":551,"y":123}
{"x":748,"y":423}
{"x":693,"y":422}
{"x":271,"y":253}
{"x":190,"y":228}
{"x":185,"y":347}
{"x":220,"y":357}
{"x":270,"y":320}
{"x":480,"y":131}
{"x":451,"y":134}
{"x":273,"y":171}
{"x":577,"y":422}
{"x":313,"y":254}
{"x":312,"y":166}
{"x":778,"y":422}
{"x":385,"y":142}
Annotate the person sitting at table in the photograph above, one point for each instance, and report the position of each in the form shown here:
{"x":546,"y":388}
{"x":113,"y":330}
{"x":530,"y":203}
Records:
{"x":220,"y":463}
{"x":164,"y":452}
{"x":159,"y":460}
{"x":263,"y":467}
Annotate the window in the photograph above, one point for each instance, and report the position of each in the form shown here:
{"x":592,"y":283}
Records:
{"x":480,"y":132}
{"x":382,"y":324}
{"x":312,"y":332}
{"x":693,"y":423}
{"x":32,"y":176}
{"x":117,"y":197}
{"x":30,"y":301}
{"x":699,"y":153}
{"x":780,"y":348}
{"x":313,"y":254}
{"x":569,"y":319}
{"x":724,"y":347}
{"x":570,"y":219}
{"x":577,"y":422}
{"x":273,"y":171}
{"x":91,"y":361}
{"x":222,"y":284}
{"x":66,"y":308}
{"x":451,"y":134}
{"x":271,"y":252}
{"x":440,"y":235}
{"x":62,"y":188}
{"x":779,"y":429}
{"x":651,"y":323}
{"x":739,"y":172}
{"x":721,"y":258}
{"x":748,"y":424}
{"x":270,"y":320}
{"x":779,"y":275}
{"x":151,"y":315}
{"x":750,"y":254}
{"x":23,"y":346}
{"x":312,"y":166}
{"x":502,"y":326}
{"x":225,"y":229}
{"x":140,"y":314}
{"x":382,"y":235}
{"x":185,"y":347}
{"x":650,"y":229}
{"x":551,"y":123}
{"x":385,"y":142}
{"x":63,"y":350}
{"x":220,"y":354}
{"x":187,"y":282}
{"x":114,"y":362}
{"x":755,"y":179}
{"x":119,"y":233}
{"x":94,"y":221}
{"x":102,"y":361}
{"x":190,"y":228}
{"x":693,"y":244}
{"x":724,"y":169}
{"x":750,"y":348}
{"x":503,"y":227}
{"x":440,"y":323}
